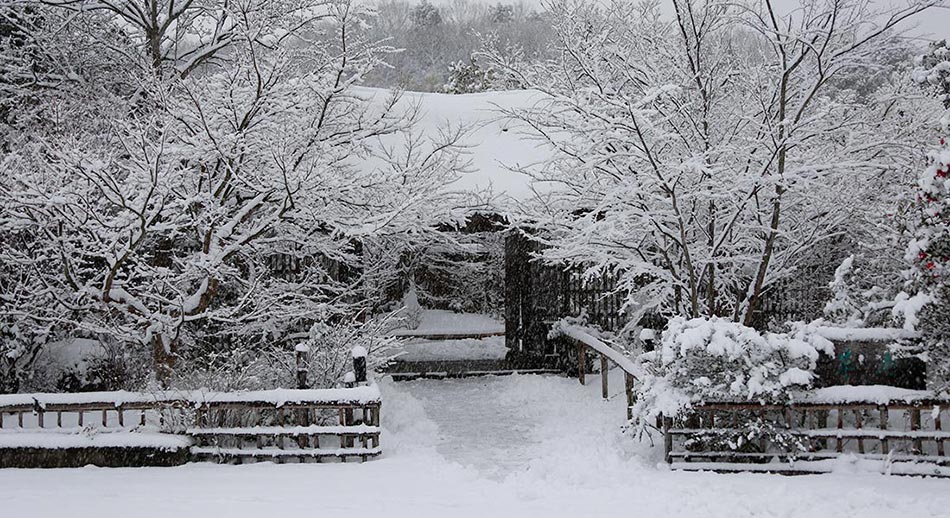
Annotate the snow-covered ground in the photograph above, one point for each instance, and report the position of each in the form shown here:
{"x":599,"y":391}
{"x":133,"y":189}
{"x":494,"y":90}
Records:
{"x":508,"y":446}
{"x":419,"y":350}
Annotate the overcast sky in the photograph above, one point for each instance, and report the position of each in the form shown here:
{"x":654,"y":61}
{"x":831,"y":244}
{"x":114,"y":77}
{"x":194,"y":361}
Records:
{"x":933,"y":24}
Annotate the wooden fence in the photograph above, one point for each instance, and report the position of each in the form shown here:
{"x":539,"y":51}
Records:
{"x":903,"y":436}
{"x":167,"y":428}
{"x":899,"y":432}
{"x":276,"y":424}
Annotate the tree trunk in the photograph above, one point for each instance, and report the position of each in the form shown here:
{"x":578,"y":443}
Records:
{"x":163,"y":359}
{"x":759,"y":281}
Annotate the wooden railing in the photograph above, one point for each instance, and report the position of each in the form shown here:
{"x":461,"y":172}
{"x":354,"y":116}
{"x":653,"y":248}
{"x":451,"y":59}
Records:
{"x":585,"y":342}
{"x":903,"y":436}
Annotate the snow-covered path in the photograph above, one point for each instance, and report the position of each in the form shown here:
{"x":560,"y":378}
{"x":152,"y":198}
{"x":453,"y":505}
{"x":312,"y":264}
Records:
{"x":518,"y":446}
{"x":478,"y":426}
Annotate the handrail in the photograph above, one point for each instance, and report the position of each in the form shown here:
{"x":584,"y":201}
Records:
{"x":581,"y":335}
{"x":585,"y":341}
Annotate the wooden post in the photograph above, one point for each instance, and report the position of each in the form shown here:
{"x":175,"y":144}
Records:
{"x":858,"y":424}
{"x":668,"y":439}
{"x":938,"y":427}
{"x":628,"y":389}
{"x":914,"y":426}
{"x":884,"y":447}
{"x":346,"y":415}
{"x":581,"y":362}
{"x":300,"y":354}
{"x":838,"y":443}
{"x":359,"y":364}
{"x":603,"y":376}
{"x":810,"y":425}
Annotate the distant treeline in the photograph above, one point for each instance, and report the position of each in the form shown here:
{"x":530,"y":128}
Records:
{"x":437,"y":42}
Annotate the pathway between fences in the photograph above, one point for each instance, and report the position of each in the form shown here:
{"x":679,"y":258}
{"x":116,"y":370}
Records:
{"x":479,"y":425}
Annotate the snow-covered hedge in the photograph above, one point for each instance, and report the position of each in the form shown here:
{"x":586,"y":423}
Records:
{"x":716,"y":359}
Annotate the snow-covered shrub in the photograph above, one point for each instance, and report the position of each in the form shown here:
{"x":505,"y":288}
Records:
{"x":265,"y":366}
{"x":748,"y":437}
{"x":713,"y":359}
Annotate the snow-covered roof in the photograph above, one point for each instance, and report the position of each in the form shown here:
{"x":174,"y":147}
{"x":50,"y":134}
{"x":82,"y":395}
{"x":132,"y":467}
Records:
{"x":493,"y":143}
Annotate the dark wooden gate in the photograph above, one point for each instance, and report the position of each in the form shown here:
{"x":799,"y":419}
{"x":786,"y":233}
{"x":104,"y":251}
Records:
{"x":537,"y":294}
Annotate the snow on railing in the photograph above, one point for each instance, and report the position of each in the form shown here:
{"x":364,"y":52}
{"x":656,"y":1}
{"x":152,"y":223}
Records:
{"x":585,"y":340}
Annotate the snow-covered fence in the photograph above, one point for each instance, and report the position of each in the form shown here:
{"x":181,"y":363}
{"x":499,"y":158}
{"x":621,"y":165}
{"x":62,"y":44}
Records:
{"x":872,"y":428}
{"x":272,"y":424}
{"x":294,"y":424}
{"x":585,"y":341}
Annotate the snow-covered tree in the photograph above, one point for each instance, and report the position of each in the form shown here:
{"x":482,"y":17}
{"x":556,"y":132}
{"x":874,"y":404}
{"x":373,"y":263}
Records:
{"x":467,"y":78}
{"x":929,"y":255}
{"x":704,"y":158}
{"x":933,"y":69}
{"x":223,"y":199}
